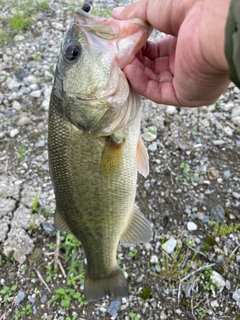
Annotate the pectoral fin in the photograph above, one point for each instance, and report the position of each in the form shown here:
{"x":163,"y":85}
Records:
{"x":60,"y":223}
{"x":138,"y":230}
{"x":111,"y":161}
{"x":142,"y":163}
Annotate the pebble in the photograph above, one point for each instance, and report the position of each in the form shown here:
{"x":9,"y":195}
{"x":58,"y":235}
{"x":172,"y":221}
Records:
{"x":57,"y":26}
{"x":16,"y":105}
{"x":236,"y":195}
{"x":36,"y":93}
{"x":169,"y":245}
{"x":200,"y":215}
{"x":23,"y":121}
{"x":154,"y":259}
{"x":49,"y":229}
{"x":20,"y":297}
{"x":218,"y":279}
{"x":152,"y":147}
{"x":114,"y":307}
{"x":236,"y":295}
{"x":13,"y":133}
{"x":227,"y":174}
{"x":218,"y":213}
{"x":214,"y":304}
{"x":171,"y":110}
{"x":191,"y":226}
{"x":213,"y":173}
{"x":218,"y":142}
{"x":150,"y":134}
{"x":18,"y":38}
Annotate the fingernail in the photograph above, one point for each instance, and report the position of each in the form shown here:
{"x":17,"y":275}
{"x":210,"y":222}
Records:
{"x":117,"y":11}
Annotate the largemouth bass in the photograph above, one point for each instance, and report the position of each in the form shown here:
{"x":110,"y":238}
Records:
{"x":95,"y":149}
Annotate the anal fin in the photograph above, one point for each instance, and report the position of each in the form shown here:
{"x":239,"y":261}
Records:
{"x":138,"y":230}
{"x":60,"y":223}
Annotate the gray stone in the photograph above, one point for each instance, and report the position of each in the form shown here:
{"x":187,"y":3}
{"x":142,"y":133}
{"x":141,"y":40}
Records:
{"x":191,"y":226}
{"x":169,"y":245}
{"x":236,"y":121}
{"x":23,"y":121}
{"x":7,"y":205}
{"x":236,"y":195}
{"x":218,"y":213}
{"x":20,"y":297}
{"x":218,"y":280}
{"x":36,"y":93}
{"x":16,"y":105}
{"x":152,"y":147}
{"x":236,"y":295}
{"x":13,"y":133}
{"x":18,"y":38}
{"x":114,"y":307}
{"x":4,"y":223}
{"x":171,"y":110}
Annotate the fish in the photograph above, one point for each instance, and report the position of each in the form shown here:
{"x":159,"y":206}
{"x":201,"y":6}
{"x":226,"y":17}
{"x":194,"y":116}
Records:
{"x":94,"y":146}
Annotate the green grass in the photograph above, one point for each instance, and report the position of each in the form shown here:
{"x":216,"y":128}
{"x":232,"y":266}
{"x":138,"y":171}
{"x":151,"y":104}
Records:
{"x":8,"y":292}
{"x":19,"y":21}
{"x":66,"y":295}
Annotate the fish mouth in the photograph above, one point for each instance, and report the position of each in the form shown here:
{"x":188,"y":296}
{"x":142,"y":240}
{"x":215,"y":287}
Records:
{"x":126,"y":36}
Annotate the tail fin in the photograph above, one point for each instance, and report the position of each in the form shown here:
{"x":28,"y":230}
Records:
{"x":115,"y":286}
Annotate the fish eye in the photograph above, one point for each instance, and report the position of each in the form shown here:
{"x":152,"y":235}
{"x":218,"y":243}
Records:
{"x":72,"y":51}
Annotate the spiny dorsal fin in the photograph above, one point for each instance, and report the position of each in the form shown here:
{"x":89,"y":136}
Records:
{"x":111,"y":161}
{"x":138,"y":230}
{"x":60,"y":223}
{"x":142,"y":163}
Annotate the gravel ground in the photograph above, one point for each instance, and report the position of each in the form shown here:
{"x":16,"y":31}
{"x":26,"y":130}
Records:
{"x":190,"y":270}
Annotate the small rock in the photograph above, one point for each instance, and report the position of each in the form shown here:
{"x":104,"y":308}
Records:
{"x":191,"y":226}
{"x":163,"y":316}
{"x":154,"y":259}
{"x":213,"y":173}
{"x":150,"y":134}
{"x":236,"y":195}
{"x":236,"y":295}
{"x":235,"y":112}
{"x":36,"y":255}
{"x":169,"y":245}
{"x":43,"y":299}
{"x":20,"y":297}
{"x":114,"y":307}
{"x":18,"y":38}
{"x":30,"y":80}
{"x":13,"y":133}
{"x":218,"y":280}
{"x":218,"y":142}
{"x":218,"y":213}
{"x":214,"y":304}
{"x":57,"y":26}
{"x":228,"y":285}
{"x":36,"y":93}
{"x":200,"y":215}
{"x":50,"y":229}
{"x":236,"y":121}
{"x":171,"y":110}
{"x":23,"y":121}
{"x":27,"y":90}
{"x":12,"y":83}
{"x":227,"y":174}
{"x":6,"y":205}
{"x":152,"y":147}
{"x":16,"y":105}
{"x":228,"y":131}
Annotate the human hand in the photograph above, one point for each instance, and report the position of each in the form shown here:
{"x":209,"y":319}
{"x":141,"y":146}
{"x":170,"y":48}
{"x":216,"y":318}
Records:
{"x":188,"y":67}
